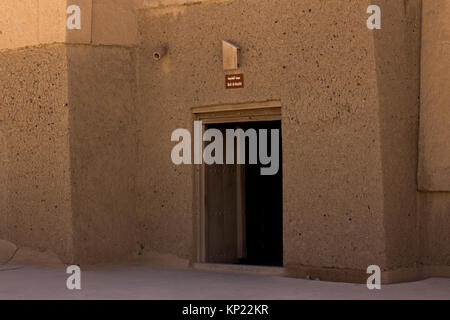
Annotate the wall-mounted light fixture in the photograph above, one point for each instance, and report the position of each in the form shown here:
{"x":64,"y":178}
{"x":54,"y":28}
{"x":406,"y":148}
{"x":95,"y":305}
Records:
{"x":161,"y":51}
{"x":230,"y":55}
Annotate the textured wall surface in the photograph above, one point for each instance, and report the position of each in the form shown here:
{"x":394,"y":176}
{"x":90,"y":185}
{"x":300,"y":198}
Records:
{"x":110,"y":22}
{"x":397,"y":53}
{"x":35,"y":207}
{"x":434,"y":146}
{"x":85,"y":129}
{"x":103,"y":151}
{"x":434,"y":168}
{"x":19,"y":25}
{"x":435,"y":225}
{"x":33,"y":22}
{"x":333,"y":188}
{"x":3,"y":179}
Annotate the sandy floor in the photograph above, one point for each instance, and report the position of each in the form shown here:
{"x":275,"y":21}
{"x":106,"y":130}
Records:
{"x":157,"y":283}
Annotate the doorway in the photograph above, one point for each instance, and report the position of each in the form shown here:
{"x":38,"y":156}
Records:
{"x":243,"y":208}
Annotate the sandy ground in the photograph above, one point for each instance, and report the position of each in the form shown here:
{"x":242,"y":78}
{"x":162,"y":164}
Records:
{"x":138,"y":282}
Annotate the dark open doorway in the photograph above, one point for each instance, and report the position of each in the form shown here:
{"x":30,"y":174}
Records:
{"x":244,"y":208}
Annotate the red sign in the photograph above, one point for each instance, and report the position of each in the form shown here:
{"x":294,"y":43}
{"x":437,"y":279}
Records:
{"x":234,"y":81}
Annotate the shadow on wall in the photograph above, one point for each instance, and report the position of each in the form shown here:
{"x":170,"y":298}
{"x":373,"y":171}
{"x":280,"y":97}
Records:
{"x":397,"y":58}
{"x":103,"y":152}
{"x":3,"y":182}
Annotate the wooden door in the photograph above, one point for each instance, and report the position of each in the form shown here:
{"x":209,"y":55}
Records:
{"x":221,"y":213}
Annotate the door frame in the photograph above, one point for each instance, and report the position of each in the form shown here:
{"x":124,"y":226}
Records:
{"x":217,"y":114}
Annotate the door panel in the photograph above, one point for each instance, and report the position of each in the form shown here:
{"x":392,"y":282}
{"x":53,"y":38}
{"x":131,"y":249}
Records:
{"x":243,"y":209}
{"x":221,"y":216}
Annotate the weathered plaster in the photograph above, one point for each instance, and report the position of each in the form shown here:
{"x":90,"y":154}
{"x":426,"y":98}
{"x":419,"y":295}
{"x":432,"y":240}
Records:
{"x":434,"y":147}
{"x":85,"y":129}
{"x":333,"y":196}
{"x":397,"y":54}
{"x":35,"y":208}
{"x":103,"y":152}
